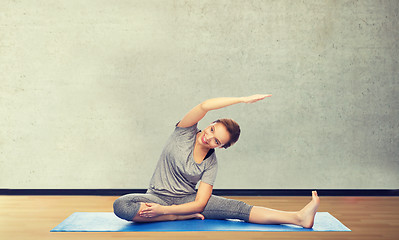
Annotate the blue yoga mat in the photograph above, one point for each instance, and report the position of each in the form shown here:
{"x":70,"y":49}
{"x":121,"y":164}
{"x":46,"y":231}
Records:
{"x":108,"y":222}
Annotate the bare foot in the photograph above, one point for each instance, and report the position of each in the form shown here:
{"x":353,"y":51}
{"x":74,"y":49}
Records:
{"x":199,"y":216}
{"x":306,"y":215}
{"x":190,"y":216}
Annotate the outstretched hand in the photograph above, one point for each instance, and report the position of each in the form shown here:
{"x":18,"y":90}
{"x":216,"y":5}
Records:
{"x":255,"y":98}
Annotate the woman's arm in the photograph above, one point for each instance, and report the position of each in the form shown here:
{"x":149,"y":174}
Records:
{"x":203,"y":194}
{"x":199,"y":111}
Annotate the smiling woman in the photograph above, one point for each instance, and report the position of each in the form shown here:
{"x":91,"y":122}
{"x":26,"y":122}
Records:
{"x":188,"y":158}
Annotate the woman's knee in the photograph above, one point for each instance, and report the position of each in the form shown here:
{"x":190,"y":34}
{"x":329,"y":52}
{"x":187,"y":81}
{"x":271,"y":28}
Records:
{"x":126,"y":208}
{"x":224,"y":208}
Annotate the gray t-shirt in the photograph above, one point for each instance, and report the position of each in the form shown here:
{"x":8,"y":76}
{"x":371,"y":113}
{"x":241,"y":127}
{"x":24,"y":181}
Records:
{"x":177,"y":173}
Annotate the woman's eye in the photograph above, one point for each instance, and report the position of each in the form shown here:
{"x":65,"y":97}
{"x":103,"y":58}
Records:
{"x":211,"y":129}
{"x":217,"y":142}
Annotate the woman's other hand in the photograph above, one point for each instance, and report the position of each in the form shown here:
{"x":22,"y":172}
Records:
{"x":152,"y":210}
{"x":255,"y":98}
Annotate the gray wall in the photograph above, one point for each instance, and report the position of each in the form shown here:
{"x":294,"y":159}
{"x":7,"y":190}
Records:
{"x":90,"y":90}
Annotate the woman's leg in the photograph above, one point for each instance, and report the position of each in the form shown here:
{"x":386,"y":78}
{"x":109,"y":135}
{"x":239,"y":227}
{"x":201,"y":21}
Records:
{"x":304,"y":217}
{"x":223,"y":208}
{"x":127,"y":207}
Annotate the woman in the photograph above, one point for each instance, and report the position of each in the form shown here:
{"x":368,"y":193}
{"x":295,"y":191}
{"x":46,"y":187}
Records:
{"x":188,"y":158}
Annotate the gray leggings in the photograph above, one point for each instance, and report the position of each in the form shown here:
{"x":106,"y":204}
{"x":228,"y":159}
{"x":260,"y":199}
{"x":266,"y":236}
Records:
{"x":127,"y":206}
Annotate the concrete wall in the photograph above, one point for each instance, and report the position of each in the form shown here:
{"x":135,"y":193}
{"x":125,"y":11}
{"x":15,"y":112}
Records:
{"x":90,"y":90}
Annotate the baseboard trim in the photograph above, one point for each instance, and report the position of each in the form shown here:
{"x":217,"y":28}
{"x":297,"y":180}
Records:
{"x":220,"y":192}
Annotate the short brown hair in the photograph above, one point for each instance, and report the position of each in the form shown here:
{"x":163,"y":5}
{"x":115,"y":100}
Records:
{"x":233,"y":128}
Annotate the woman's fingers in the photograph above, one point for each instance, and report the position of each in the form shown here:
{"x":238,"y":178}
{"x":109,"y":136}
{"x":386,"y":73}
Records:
{"x":145,"y":210}
{"x":148,"y":208}
{"x":145,"y":213}
{"x":257,"y":97}
{"x":264,"y":96}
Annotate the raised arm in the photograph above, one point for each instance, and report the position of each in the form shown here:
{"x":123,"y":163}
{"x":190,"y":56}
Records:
{"x":199,"y":111}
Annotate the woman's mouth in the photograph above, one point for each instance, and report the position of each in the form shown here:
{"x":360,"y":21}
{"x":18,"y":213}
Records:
{"x":203,"y":140}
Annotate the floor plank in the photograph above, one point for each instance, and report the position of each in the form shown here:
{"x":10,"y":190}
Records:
{"x":32,"y":217}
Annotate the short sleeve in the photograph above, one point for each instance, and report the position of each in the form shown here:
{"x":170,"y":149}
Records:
{"x":209,"y":175}
{"x":186,"y":131}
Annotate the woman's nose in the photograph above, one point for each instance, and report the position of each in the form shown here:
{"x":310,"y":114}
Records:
{"x":208,"y":135}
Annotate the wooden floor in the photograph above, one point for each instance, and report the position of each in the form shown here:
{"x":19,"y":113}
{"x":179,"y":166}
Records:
{"x":32,"y":217}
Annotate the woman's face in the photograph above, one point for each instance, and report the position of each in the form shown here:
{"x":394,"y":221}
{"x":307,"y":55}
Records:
{"x":215,"y":135}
